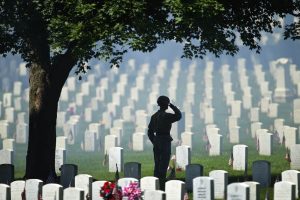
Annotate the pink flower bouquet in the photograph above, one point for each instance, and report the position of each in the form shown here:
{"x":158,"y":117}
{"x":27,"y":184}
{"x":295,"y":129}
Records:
{"x":132,"y":191}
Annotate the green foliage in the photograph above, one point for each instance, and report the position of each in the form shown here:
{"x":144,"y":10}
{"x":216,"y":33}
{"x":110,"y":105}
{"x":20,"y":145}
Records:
{"x":40,"y":30}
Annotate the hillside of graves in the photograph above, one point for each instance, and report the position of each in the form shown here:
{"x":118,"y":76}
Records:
{"x":240,"y":123}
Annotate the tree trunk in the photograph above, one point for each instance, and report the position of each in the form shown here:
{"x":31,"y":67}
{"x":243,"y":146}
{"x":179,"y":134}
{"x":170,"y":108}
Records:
{"x":45,"y":89}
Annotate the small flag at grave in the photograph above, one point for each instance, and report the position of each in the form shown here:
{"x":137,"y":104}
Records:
{"x":257,"y":144}
{"x":207,"y":146}
{"x":70,"y":135}
{"x":230,"y":161}
{"x":172,"y":163}
{"x":283,"y":141}
{"x":117,"y":175}
{"x":287,"y":155}
{"x":172,"y":174}
{"x":104,"y":162}
{"x":276,"y":136}
{"x":171,"y":167}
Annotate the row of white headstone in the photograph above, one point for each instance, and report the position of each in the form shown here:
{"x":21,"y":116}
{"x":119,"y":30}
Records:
{"x":211,"y":187}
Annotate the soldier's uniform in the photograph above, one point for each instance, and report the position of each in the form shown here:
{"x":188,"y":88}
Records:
{"x":160,"y":124}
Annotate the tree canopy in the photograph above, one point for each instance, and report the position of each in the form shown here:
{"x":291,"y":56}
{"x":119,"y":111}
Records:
{"x":53,"y":36}
{"x":41,"y":30}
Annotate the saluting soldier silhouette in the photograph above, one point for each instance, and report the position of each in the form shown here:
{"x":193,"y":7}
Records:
{"x":159,"y":134}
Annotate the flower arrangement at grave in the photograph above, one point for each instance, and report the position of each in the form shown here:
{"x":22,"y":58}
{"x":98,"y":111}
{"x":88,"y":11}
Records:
{"x":132,"y":191}
{"x":111,"y":191}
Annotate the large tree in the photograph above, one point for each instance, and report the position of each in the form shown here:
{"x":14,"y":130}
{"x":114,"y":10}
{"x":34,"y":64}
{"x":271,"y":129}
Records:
{"x":54,"y":36}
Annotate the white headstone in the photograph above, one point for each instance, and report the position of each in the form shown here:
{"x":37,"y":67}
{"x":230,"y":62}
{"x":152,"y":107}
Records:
{"x":64,"y":95}
{"x":33,"y":189}
{"x":79,"y":99}
{"x":71,"y":83}
{"x":4,"y":192}
{"x":220,"y":183}
{"x":8,"y":144}
{"x":88,"y":114}
{"x":296,"y":116}
{"x":21,"y":117}
{"x":116,"y":99}
{"x":85,"y":88}
{"x":61,"y":142}
{"x":60,"y":158}
{"x":254,"y":190}
{"x":84,"y":182}
{"x":232,"y":121}
{"x":115,"y":159}
{"x":18,"y":103}
{"x":273,"y":110}
{"x":234,"y":134}
{"x":187,"y":138}
{"x":21,"y":133}
{"x":16,"y":189}
{"x":10,"y":114}
{"x":292,"y":176}
{"x":240,"y":157}
{"x":26,"y":94}
{"x":215,"y":141}
{"x":106,"y":119}
{"x":290,"y":136}
{"x":23,"y":69}
{"x":4,"y":129}
{"x":254,"y":127}
{"x":61,"y":119}
{"x":109,"y":141}
{"x":284,"y":190}
{"x":175,"y":190}
{"x":203,"y":188}
{"x":236,"y":108}
{"x":6,"y":156}
{"x":138,"y":141}
{"x":264,"y":104}
{"x":70,"y":131}
{"x":134,"y":93}
{"x":17,"y":88}
{"x":154,"y":194}
{"x":254,"y":114}
{"x":89,"y":140}
{"x":95,"y":127}
{"x":295,"y":157}
{"x":183,"y":156}
{"x":264,"y":143}
{"x":52,"y":192}
{"x":141,"y":118}
{"x":239,"y":191}
{"x":149,"y":183}
{"x":127,"y":113}
{"x":96,"y":186}
{"x":247,"y":101}
{"x":72,"y":193}
{"x":208,"y":115}
{"x":7,"y":99}
{"x":118,"y":133}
